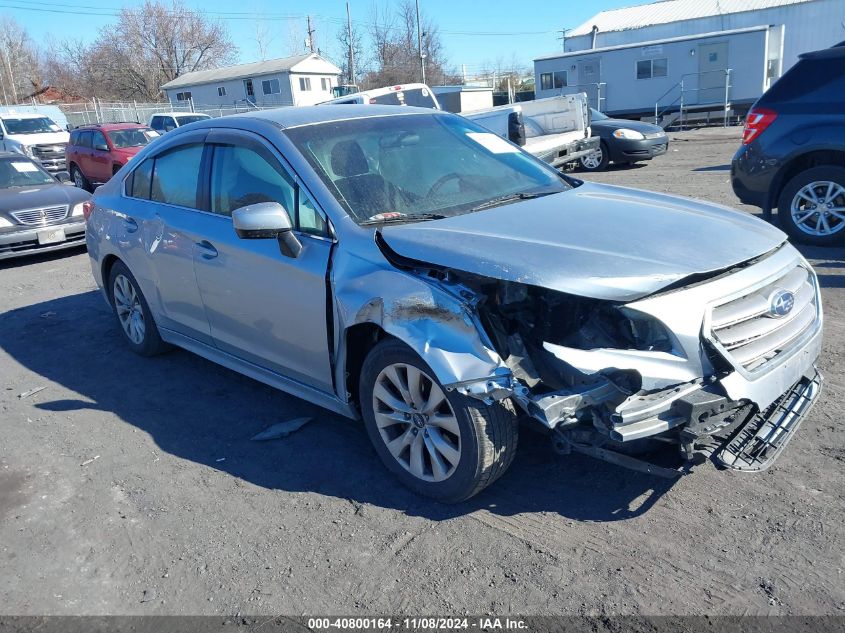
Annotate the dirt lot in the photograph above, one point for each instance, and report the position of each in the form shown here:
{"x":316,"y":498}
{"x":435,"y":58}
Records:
{"x":130,"y":486}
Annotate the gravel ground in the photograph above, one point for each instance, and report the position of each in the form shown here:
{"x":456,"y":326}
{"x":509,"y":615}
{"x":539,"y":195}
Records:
{"x":130,"y":486}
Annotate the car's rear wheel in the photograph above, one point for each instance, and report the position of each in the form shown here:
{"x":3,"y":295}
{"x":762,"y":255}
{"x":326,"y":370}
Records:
{"x":440,"y":444}
{"x":79,"y":178}
{"x":133,"y":313}
{"x":811,"y":207}
{"x":596,"y":160}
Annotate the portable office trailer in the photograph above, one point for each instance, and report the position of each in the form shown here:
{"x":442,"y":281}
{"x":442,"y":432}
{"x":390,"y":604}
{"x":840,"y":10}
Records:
{"x":698,"y":70}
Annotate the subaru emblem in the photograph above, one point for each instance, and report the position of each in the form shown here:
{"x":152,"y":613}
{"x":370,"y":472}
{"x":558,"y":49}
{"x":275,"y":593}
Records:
{"x":781,"y":303}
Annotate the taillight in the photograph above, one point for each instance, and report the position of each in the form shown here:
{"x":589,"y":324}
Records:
{"x":756,"y":122}
{"x":87,"y":208}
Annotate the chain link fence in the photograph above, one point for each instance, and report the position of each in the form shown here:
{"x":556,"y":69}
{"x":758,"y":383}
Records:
{"x":96,"y":111}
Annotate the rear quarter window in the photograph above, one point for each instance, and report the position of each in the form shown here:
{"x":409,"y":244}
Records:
{"x":810,"y":80}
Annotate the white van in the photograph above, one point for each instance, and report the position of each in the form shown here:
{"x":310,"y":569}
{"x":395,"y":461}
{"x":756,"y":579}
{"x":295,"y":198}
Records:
{"x":418,"y":95}
{"x":36,"y":136}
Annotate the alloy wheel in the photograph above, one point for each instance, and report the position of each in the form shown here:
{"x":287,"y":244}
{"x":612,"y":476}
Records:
{"x":77,"y":179}
{"x":593,"y":159}
{"x":130,"y":313}
{"x":818,"y":208}
{"x":416,"y":422}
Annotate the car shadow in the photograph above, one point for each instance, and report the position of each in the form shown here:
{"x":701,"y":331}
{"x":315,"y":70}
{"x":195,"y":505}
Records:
{"x":714,"y":168}
{"x":199,"y":411}
{"x":38,"y":258}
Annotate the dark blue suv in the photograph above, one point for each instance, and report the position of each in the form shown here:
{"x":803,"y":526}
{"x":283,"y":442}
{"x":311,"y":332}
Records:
{"x":793,"y":150}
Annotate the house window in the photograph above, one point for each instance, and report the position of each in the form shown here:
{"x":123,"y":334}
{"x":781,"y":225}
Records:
{"x":556,"y":80}
{"x":305,"y":83}
{"x":325,"y":84}
{"x":183,"y":96}
{"x":270,"y":87}
{"x":561,"y":79}
{"x":650,"y":68}
{"x":221,"y":91}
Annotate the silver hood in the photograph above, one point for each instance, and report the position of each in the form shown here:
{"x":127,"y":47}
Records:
{"x":597,"y":241}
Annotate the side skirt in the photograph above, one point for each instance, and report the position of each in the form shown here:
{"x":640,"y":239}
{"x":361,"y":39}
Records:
{"x":288,"y":385}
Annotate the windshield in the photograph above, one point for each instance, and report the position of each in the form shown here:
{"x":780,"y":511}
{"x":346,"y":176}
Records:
{"x":191,"y":118}
{"x":133,"y":137}
{"x":419,"y":166}
{"x":595,"y":115}
{"x":22,"y":172}
{"x":30,"y":125}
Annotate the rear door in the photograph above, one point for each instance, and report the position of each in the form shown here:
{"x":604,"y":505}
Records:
{"x":83,"y":153}
{"x":164,"y":225}
{"x":262,"y":306}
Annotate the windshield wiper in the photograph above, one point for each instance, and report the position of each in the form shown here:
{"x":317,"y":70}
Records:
{"x":511,"y":197}
{"x":398,"y":219}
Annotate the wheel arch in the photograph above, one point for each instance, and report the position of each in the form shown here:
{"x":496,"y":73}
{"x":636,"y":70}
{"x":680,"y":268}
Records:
{"x":105,"y":270}
{"x":800,"y":163}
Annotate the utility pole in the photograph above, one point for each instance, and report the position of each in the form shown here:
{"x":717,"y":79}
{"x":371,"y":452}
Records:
{"x":562,"y":38}
{"x":310,"y":32}
{"x":351,"y":50}
{"x":419,"y":43}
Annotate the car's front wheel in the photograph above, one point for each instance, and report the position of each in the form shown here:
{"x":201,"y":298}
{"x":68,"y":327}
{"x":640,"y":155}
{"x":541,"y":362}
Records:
{"x":596,"y":160}
{"x":811,"y":207}
{"x":133,"y":313}
{"x":79,"y":178}
{"x":440,"y":444}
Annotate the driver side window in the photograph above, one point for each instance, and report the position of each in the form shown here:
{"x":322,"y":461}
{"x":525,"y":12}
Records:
{"x":241,"y":176}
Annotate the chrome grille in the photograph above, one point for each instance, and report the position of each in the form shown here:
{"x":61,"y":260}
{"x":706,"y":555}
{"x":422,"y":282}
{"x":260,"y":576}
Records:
{"x":41,"y":217}
{"x":749,"y":331}
{"x":51,"y":151}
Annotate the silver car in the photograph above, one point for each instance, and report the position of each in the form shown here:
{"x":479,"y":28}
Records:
{"x":410,"y":268}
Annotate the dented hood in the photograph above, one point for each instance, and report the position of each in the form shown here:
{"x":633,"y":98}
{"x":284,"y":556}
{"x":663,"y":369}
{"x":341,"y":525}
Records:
{"x":596,"y":241}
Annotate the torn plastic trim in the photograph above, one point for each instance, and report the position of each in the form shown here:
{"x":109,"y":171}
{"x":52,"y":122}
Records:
{"x":658,"y":370}
{"x":489,"y":390}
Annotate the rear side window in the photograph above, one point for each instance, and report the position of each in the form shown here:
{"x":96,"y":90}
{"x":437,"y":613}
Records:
{"x":138,"y":184}
{"x":176,"y":176}
{"x":85,"y":139}
{"x":810,"y":80}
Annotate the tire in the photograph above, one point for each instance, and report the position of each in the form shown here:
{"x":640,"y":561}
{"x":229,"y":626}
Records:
{"x":125,"y":296}
{"x":79,"y":179}
{"x":596,"y":161}
{"x":480,"y":440}
{"x":819,"y":222}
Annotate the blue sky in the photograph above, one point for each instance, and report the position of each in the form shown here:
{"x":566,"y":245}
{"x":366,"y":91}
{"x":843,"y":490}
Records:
{"x":472,"y":32}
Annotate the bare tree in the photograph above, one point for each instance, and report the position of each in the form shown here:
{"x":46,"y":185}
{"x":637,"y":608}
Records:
{"x":342,"y":53}
{"x":149,"y":46}
{"x":263,"y":37}
{"x":396,"y":54}
{"x":20,"y":64}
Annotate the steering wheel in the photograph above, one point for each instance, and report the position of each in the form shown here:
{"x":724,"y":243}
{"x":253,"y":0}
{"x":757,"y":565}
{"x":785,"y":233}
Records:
{"x":437,"y":186}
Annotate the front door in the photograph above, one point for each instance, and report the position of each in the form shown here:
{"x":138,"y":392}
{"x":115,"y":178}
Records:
{"x":100,"y":165}
{"x":712,"y":64}
{"x":263,"y":306}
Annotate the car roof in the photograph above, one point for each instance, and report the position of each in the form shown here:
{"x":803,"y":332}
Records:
{"x":14,"y":155}
{"x":835,"y":51}
{"x":23,"y":115}
{"x":178,"y":114}
{"x":126,"y":125}
{"x":309,"y":115}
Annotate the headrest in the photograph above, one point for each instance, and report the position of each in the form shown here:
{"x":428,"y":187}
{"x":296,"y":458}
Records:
{"x":348,"y":159}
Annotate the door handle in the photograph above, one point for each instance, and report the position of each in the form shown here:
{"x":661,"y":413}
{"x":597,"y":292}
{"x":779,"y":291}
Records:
{"x":131,"y":224}
{"x":207,"y":249}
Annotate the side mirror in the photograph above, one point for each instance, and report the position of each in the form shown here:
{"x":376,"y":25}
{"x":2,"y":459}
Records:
{"x":63,"y":177}
{"x":267,"y":220}
{"x":102,"y":147}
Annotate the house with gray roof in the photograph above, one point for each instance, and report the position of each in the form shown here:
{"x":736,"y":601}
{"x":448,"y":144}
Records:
{"x":300,"y":80}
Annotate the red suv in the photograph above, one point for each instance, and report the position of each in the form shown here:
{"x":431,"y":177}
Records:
{"x":96,"y":152}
